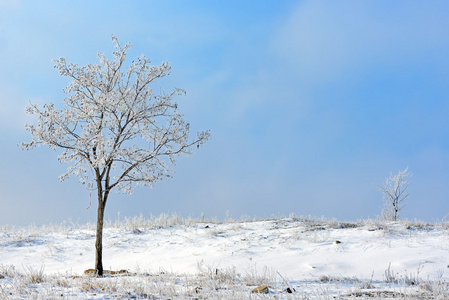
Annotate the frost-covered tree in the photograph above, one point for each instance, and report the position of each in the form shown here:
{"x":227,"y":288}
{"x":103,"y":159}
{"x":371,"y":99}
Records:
{"x":395,"y":193}
{"x":114,"y":131}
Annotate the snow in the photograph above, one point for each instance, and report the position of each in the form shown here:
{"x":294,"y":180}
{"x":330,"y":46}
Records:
{"x":298,"y":249}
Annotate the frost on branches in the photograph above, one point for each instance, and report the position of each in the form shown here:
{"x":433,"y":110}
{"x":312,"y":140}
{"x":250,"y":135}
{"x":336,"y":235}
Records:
{"x":114,"y":132}
{"x":113,"y":129}
{"x":395,"y":193}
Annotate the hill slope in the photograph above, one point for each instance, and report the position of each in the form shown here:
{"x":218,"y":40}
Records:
{"x":277,"y":251}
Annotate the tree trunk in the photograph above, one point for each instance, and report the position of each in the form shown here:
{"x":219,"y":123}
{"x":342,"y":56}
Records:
{"x":99,"y":241}
{"x":102,"y":199}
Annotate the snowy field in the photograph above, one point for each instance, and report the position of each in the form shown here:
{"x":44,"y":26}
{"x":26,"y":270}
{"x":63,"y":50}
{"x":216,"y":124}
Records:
{"x":168,"y":257}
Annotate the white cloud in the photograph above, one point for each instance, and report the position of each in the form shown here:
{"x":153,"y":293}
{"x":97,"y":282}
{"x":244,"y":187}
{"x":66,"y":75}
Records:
{"x":8,"y":4}
{"x":330,"y":40}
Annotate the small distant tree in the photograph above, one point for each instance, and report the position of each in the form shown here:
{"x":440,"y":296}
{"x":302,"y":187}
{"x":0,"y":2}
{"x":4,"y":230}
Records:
{"x":113,"y":130}
{"x":395,"y":193}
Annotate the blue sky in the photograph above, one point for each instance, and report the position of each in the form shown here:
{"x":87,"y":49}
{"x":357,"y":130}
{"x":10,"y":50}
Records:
{"x":310,"y":104}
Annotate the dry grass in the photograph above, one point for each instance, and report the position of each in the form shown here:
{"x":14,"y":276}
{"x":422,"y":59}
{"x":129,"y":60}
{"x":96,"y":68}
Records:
{"x":209,"y":283}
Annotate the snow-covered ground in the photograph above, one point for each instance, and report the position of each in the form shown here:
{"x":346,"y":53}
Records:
{"x":174,"y":258}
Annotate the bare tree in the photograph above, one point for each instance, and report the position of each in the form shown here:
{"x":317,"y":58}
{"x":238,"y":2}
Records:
{"x":113,"y":130}
{"x":395,"y":193}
